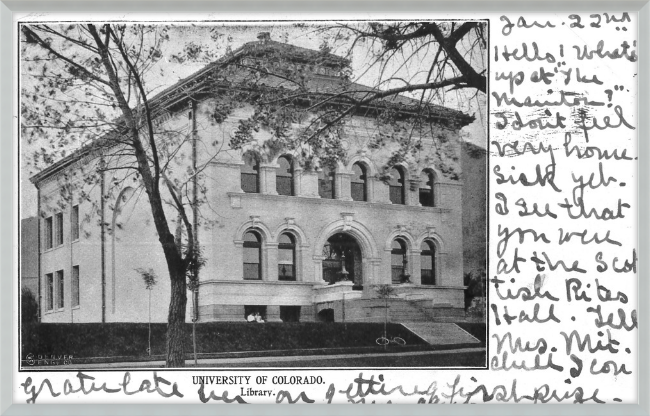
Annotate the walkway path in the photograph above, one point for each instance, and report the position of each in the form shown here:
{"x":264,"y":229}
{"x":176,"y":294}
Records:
{"x":244,"y":362}
{"x":439,"y":333}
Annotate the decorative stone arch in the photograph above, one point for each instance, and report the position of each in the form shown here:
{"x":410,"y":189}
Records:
{"x":406,"y":169}
{"x":437,"y":181}
{"x":371,"y":174}
{"x":302,"y":245}
{"x":291,"y":226}
{"x":369,"y":254}
{"x":430,"y":234}
{"x":407,"y":184}
{"x":432,"y":168}
{"x":441,"y":253}
{"x":341,"y":180}
{"x":412,"y":251}
{"x":400,"y":232}
{"x":362,"y":158}
{"x":254,"y":224}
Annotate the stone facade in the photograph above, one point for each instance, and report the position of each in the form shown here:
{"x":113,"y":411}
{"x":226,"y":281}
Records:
{"x":94,"y":274}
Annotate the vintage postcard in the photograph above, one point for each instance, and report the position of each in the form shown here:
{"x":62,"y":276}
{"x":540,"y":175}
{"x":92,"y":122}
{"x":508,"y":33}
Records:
{"x":307,"y":209}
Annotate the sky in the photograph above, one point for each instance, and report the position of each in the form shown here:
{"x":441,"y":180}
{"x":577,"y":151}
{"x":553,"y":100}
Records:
{"x":215,"y":39}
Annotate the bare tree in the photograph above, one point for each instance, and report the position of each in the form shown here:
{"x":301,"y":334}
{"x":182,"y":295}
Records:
{"x":88,"y":85}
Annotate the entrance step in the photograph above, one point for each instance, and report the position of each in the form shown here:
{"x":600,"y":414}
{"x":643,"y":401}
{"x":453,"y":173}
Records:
{"x":441,"y":333}
{"x":399,"y":310}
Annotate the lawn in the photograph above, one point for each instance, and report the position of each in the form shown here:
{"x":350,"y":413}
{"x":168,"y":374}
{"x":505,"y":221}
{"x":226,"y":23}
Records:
{"x":461,"y":359}
{"x":131,"y":339}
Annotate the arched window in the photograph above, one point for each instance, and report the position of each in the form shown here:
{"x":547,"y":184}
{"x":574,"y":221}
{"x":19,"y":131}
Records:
{"x":358,"y":183}
{"x":250,"y":173}
{"x":284,"y":176}
{"x":398,"y":262}
{"x":426,"y":189}
{"x":252,"y":256}
{"x":287,"y":257}
{"x":396,"y":185}
{"x":326,"y":183}
{"x":428,"y":263}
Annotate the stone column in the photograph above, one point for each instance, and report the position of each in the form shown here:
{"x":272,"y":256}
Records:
{"x":309,"y":184}
{"x":342,"y":186}
{"x":232,"y":268}
{"x":298,"y":175}
{"x":413,"y":192}
{"x":267,"y":179}
{"x":271,"y":262}
{"x":415,"y":265}
{"x":381,"y":192}
{"x":273,"y":313}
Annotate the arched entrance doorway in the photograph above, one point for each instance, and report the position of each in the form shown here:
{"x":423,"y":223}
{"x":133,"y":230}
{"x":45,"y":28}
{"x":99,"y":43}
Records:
{"x":342,"y":260}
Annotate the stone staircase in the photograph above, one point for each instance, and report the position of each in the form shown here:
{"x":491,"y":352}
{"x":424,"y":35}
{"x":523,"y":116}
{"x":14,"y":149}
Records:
{"x":400,"y":310}
{"x":441,"y":333}
{"x":431,"y":322}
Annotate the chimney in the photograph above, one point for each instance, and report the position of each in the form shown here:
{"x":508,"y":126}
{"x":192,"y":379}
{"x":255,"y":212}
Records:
{"x":264,"y":37}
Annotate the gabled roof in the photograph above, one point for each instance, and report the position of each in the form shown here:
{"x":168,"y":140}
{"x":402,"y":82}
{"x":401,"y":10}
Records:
{"x":265,"y":47}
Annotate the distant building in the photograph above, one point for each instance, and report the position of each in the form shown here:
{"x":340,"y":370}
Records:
{"x":283,"y":240}
{"x":474,"y":164}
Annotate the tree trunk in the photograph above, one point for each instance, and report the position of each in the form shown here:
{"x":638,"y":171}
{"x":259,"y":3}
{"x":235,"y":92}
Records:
{"x":176,"y":320}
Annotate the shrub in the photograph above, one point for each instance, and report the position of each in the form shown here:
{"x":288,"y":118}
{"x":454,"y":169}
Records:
{"x":28,"y":307}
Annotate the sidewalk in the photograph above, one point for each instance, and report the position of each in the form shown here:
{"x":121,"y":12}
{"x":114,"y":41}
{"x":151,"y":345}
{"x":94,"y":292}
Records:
{"x":251,"y":361}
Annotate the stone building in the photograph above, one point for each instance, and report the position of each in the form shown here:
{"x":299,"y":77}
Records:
{"x":292,"y":242}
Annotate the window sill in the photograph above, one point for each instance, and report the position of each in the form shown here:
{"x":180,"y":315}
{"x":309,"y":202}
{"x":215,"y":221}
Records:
{"x":236,"y":197}
{"x":47,"y":250}
{"x":258,"y":282}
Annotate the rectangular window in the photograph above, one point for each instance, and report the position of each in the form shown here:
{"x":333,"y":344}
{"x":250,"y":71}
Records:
{"x":286,"y":269}
{"x":74,"y":223}
{"x":427,"y":277}
{"x":75,"y":286}
{"x":290,"y":313}
{"x":326,"y":188}
{"x":60,"y":294}
{"x":49,"y":284}
{"x":58,"y":229}
{"x":48,"y":233}
{"x":253,"y":311}
{"x":286,"y":272}
{"x":426,"y":197}
{"x":397,"y":267}
{"x":252,"y":263}
{"x":358,"y":191}
{"x":284,"y":185}
{"x":249,"y":183}
{"x":396,"y":195}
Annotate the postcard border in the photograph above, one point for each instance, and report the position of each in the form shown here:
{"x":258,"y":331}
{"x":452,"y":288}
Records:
{"x":8,"y":188}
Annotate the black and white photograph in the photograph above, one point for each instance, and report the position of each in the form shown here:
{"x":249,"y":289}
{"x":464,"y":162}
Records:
{"x":277,"y":204}
{"x":250,"y":194}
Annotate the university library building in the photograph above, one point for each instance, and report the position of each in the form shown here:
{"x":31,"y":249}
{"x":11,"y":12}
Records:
{"x":283,"y":239}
